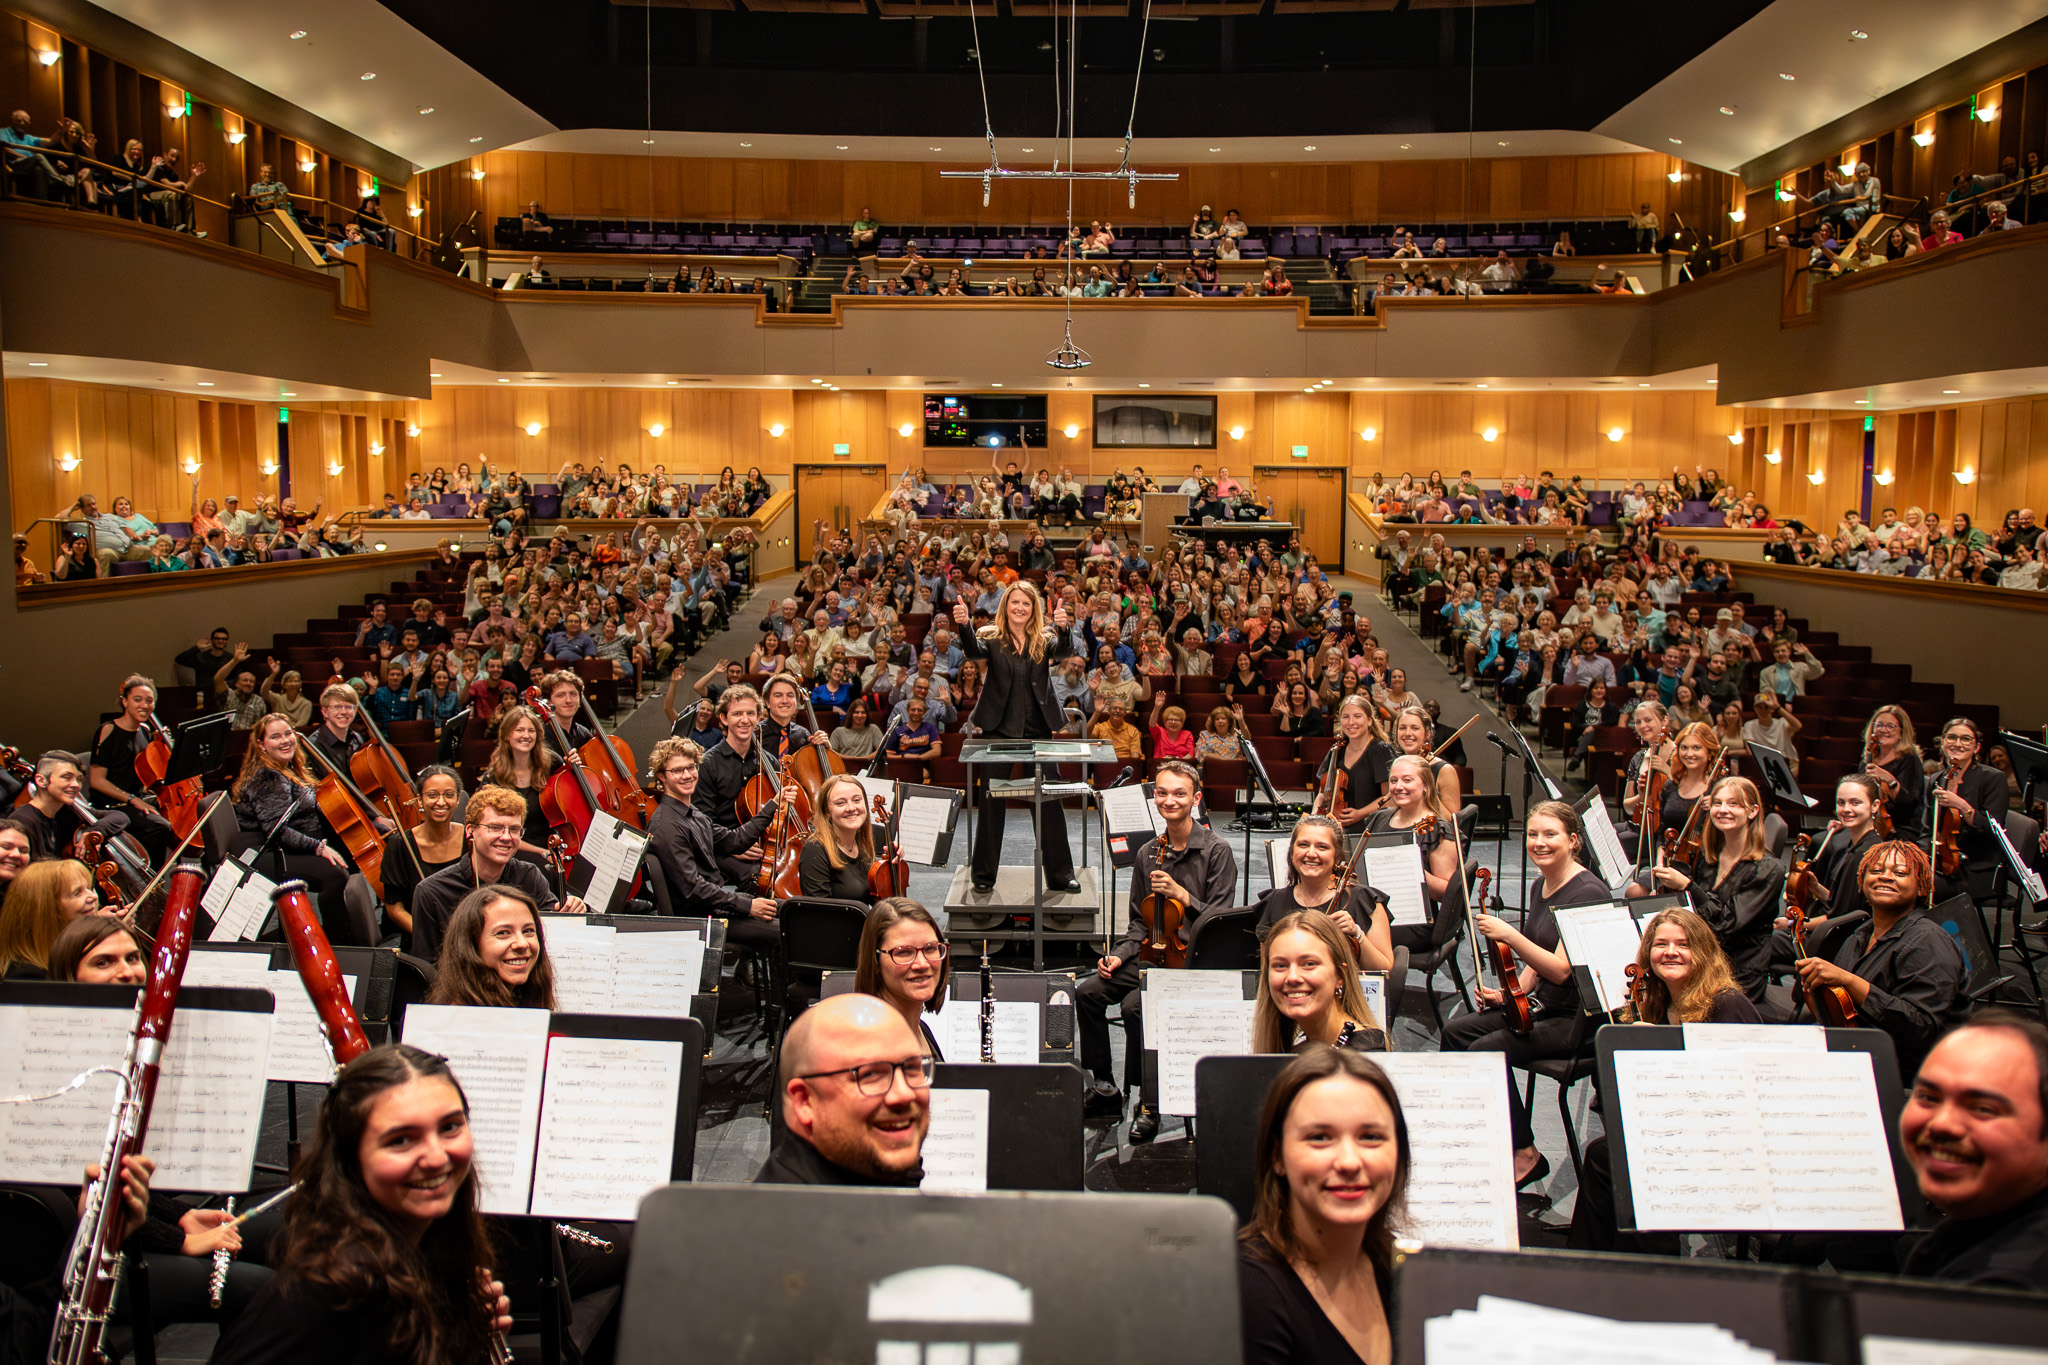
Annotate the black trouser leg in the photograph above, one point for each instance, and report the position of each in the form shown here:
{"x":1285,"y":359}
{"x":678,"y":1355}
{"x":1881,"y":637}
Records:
{"x":178,"y":1289}
{"x":1053,"y":850}
{"x":323,"y":879}
{"x":1593,"y":1216}
{"x":1488,"y":1031}
{"x":1092,"y":999}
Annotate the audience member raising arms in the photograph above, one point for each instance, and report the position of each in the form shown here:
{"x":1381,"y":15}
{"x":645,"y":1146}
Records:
{"x":493,"y":953}
{"x":1309,"y":989}
{"x":1315,"y":1267}
{"x":413,"y":855}
{"x":1735,"y":883}
{"x":1315,"y":857}
{"x":383,"y":1255}
{"x":1554,"y":840}
{"x":904,"y":962}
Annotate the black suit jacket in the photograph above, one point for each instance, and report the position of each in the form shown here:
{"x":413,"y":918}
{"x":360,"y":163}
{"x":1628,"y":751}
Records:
{"x":1008,"y":669}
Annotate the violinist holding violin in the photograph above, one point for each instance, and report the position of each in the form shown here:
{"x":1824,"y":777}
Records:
{"x":112,"y":772}
{"x":1652,"y":727}
{"x":1316,"y":875}
{"x":1362,"y":757}
{"x":1968,"y":796}
{"x":1188,"y":864}
{"x":1554,"y":839}
{"x":1735,"y":884}
{"x":52,"y":815}
{"x":275,"y":785}
{"x":1891,"y":756}
{"x":1901,"y":970}
{"x":1836,"y":865}
{"x":1414,"y":805}
{"x":835,"y":861}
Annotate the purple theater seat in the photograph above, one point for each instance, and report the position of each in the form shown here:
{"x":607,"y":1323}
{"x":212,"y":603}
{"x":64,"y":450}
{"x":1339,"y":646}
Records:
{"x":128,"y":566}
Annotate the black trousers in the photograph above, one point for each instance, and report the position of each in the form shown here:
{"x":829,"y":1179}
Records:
{"x":322,"y":878}
{"x":151,"y":829}
{"x":177,"y":1289}
{"x":1488,"y":1031}
{"x":1593,"y":1216}
{"x":1092,"y":999}
{"x":1053,"y":850}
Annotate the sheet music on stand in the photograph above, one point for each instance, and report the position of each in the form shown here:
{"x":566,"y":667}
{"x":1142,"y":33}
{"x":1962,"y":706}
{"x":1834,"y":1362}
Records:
{"x":1603,"y":842}
{"x":1602,"y":941}
{"x":956,"y":1145}
{"x":599,"y":972}
{"x":209,"y":1098}
{"x":921,"y":818}
{"x":1130,"y":820}
{"x":1461,"y":1186}
{"x":574,"y":1115}
{"x":1392,"y":863}
{"x":298,"y":1047}
{"x":606,"y":863}
{"x":1746,"y":1138}
{"x":2026,"y":878}
{"x":238,"y":910}
{"x":1190,"y":1015}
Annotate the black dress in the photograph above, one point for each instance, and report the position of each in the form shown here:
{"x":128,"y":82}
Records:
{"x":306,"y":1322}
{"x":847,"y":882}
{"x":1282,"y":1322}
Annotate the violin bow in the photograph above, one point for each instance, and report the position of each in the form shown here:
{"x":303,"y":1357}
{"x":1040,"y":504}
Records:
{"x":170,"y":862}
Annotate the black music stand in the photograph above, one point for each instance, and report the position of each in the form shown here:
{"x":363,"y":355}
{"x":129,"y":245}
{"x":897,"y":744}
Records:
{"x":1230,"y":1093}
{"x":2029,"y":763}
{"x":1778,"y":778}
{"x":883,"y":1275}
{"x":1034,"y":1122}
{"x":199,"y":747}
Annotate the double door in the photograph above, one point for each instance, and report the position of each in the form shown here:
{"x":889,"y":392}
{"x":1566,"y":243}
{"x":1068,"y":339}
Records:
{"x":842,"y":494}
{"x":1312,"y":497}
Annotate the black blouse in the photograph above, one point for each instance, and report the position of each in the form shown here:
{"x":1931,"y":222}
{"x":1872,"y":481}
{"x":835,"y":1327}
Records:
{"x":848,"y":882}
{"x":1283,"y":1324}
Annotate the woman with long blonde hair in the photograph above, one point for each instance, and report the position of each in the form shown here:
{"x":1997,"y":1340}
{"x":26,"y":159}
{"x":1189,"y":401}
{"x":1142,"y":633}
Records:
{"x":1735,"y":883}
{"x":1309,"y":989}
{"x":1018,"y":651}
{"x":835,"y":859}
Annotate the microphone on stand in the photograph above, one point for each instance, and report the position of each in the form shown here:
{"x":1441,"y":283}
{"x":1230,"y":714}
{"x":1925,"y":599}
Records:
{"x":1497,"y":742}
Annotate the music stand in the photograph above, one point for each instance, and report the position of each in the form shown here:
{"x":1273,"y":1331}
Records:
{"x":448,"y":748}
{"x":1035,"y":1132}
{"x":1038,"y":753}
{"x":2029,"y":763}
{"x":889,"y":1276}
{"x":1532,"y":772}
{"x":1255,"y":772}
{"x":199,"y":747}
{"x":1230,"y":1094}
{"x":1777,"y":771}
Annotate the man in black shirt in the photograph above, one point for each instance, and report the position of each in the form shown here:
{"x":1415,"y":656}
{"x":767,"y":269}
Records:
{"x":204,"y":659}
{"x":687,"y":844}
{"x":726,"y":770}
{"x":495,"y":816}
{"x":51,"y":816}
{"x":1194,"y":866}
{"x":855,"y":1096}
{"x":1976,"y":1130}
{"x":562,"y":690}
{"x":1903,"y":972}
{"x":376,"y":628}
{"x":780,"y":731}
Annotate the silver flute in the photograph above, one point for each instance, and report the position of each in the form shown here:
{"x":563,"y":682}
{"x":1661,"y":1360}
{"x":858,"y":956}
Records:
{"x":218,"y":1280}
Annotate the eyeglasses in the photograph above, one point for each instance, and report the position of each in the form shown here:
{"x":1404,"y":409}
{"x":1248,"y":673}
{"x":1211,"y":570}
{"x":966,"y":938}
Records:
{"x":875,"y":1078}
{"x":906,"y":954}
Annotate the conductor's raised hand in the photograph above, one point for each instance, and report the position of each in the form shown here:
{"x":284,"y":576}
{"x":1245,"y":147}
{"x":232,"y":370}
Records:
{"x":1059,"y":618}
{"x":960,"y":613}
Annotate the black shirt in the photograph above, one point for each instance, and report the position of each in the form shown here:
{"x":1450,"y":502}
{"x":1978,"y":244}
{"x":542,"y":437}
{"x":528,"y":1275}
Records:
{"x":794,"y":1161}
{"x":721,"y":776}
{"x":1740,"y":911}
{"x":847,"y":882}
{"x":2006,"y":1250}
{"x":1916,"y":976}
{"x":1206,"y":867}
{"x":434,"y":900}
{"x":307,"y":1323}
{"x":1016,"y":697}
{"x":116,"y":753}
{"x":1909,"y":808}
{"x":686,"y":844}
{"x":1554,"y":998}
{"x":335,"y":751}
{"x":401,"y":877}
{"x":1282,"y":1322}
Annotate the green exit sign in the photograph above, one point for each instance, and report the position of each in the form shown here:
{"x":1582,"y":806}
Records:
{"x":1301,"y":452}
{"x":842,"y":448}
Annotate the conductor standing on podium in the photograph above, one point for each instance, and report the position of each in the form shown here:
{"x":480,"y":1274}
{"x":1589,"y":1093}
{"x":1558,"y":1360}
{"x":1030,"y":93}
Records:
{"x":1017,"y":703}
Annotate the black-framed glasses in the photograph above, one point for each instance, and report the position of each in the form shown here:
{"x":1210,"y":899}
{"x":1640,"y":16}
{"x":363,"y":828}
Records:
{"x":905,"y":954}
{"x":875,"y":1078}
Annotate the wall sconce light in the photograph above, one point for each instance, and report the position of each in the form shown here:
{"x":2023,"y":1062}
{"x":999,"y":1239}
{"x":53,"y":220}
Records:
{"x":50,"y":57}
{"x":237,"y":138}
{"x":1848,"y":168}
{"x":376,"y":447}
{"x":1986,"y":113}
{"x":379,"y":546}
{"x":413,"y":211}
{"x":1369,"y":434}
{"x":1736,"y":215}
{"x":533,"y":428}
{"x":1615,"y":433}
{"x":67,"y":462}
{"x":1883,"y":480}
{"x":476,"y":175}
{"x":775,"y":430}
{"x":656,"y":429}
{"x":308,"y":166}
{"x":905,"y":430}
{"x":269,"y":470}
{"x":412,"y":429}
{"x":1817,"y":478}
{"x":1735,"y":438}
{"x":1675,"y":176}
{"x":1772,"y":457}
{"x":1237,"y":433}
{"x":1072,"y":431}
{"x":192,"y":466}
{"x":174,"y":110}
{"x":365,"y":192}
{"x":334,"y":470}
{"x":1966,"y":476}
{"x":1493,"y":434}
{"x":1925,"y":139}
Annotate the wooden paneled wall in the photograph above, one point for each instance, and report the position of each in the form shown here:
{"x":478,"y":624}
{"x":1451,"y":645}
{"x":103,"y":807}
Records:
{"x":700,"y":429}
{"x":114,"y":101}
{"x":694,"y":189}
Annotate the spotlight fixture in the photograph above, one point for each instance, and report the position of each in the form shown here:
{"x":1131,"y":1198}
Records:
{"x":204,"y":383}
{"x":50,"y":57}
{"x":426,"y":108}
{"x":1675,"y":141}
{"x":533,"y":428}
{"x":39,"y":364}
{"x":476,"y":139}
{"x":1728,"y":109}
{"x":1787,"y":76}
{"x":1857,"y":35}
{"x":369,"y":75}
{"x":1951,"y":390}
{"x":300,"y":34}
{"x":842,"y":147}
{"x":1311,"y":147}
{"x":1614,"y":433}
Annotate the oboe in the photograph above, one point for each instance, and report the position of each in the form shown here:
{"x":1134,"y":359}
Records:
{"x":92,"y":1271}
{"x":988,"y":1008}
{"x":218,"y":1280}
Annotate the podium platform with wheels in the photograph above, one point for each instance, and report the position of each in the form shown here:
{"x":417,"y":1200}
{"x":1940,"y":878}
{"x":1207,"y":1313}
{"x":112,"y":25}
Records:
{"x":1055,"y":915}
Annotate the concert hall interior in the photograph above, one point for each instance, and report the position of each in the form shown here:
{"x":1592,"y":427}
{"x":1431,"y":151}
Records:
{"x":622,"y":601}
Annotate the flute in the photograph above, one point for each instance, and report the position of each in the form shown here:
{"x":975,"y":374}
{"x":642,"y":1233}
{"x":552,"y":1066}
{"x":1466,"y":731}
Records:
{"x":218,"y":1280}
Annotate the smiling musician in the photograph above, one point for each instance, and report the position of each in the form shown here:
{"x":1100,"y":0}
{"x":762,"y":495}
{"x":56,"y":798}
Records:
{"x":1309,"y":989}
{"x":691,"y":847}
{"x":1315,"y":866}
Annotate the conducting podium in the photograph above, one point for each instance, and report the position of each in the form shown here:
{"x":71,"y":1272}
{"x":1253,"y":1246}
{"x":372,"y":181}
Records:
{"x":987,"y":914}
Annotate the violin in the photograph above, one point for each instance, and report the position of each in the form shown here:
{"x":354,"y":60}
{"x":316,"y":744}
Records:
{"x":1946,"y":843}
{"x":1802,"y":884}
{"x":86,"y":848}
{"x":558,"y":856}
{"x":1638,"y":990}
{"x":1513,"y":998}
{"x":1330,"y":797}
{"x":576,"y":792}
{"x":889,"y":873}
{"x":178,"y":801}
{"x":1832,"y":1006}
{"x":350,"y":815}
{"x":1685,"y":844}
{"x":1162,"y":915}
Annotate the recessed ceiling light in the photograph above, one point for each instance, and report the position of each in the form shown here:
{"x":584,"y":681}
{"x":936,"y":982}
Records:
{"x":1863,"y":402}
{"x":1502,"y":144}
{"x":674,"y":382}
{"x":1787,"y":76}
{"x":1311,"y":147}
{"x":649,"y":142}
{"x":1642,"y":386}
{"x":746,"y":144}
{"x":476,"y":139}
{"x":39,"y":364}
{"x":1728,"y":109}
{"x":1858,"y":34}
{"x":435,"y":375}
{"x":426,"y":109}
{"x":1027,"y":149}
{"x":842,"y":147}
{"x":1675,"y":141}
{"x":369,"y":75}
{"x":1713,"y":381}
{"x":206,"y":383}
{"x":300,"y":34}
{"x":1951,"y":390}
{"x":1479,"y":386}
{"x":938,"y":149}
{"x":1215,"y":149}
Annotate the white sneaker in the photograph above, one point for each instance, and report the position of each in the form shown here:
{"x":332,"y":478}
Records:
{"x":1465,"y":686}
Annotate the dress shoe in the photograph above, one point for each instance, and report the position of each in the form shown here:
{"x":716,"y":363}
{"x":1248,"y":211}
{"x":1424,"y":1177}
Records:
{"x":1069,"y":883}
{"x":1102,"y":1104}
{"x":1145,"y":1127}
{"x":984,"y":884}
{"x":1536,"y":1172}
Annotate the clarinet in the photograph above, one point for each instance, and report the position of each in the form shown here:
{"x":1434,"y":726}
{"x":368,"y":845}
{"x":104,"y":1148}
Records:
{"x":314,"y":958}
{"x":988,"y":1008}
{"x":92,"y":1271}
{"x":218,"y":1279}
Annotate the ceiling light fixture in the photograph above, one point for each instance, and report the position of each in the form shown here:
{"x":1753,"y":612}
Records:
{"x":426,"y":108}
{"x":1863,"y":402}
{"x":205,"y":383}
{"x":1215,"y":149}
{"x":1144,"y":386}
{"x":369,"y":75}
{"x":476,"y":139}
{"x":1675,"y":141}
{"x":995,"y":386}
{"x":842,"y":147}
{"x":746,"y":144}
{"x":1405,"y":146}
{"x":937,"y":149}
{"x":1787,"y":76}
{"x":504,"y":381}
{"x":1857,"y":35}
{"x":1728,"y":109}
{"x":300,"y":34}
{"x":1027,"y":149}
{"x":287,"y":394}
{"x":1951,"y":390}
{"x":50,"y":57}
{"x":1501,"y":144}
{"x":39,"y":364}
{"x":1311,"y":147}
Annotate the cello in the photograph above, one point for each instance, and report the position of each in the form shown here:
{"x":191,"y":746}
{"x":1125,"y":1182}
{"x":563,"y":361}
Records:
{"x":178,"y":801}
{"x":812,"y":763}
{"x":380,"y":772}
{"x":350,"y":815}
{"x":575,"y":794}
{"x":614,"y":753}
{"x":1832,"y":1006}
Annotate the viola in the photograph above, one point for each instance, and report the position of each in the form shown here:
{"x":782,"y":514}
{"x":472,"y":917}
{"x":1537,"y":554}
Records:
{"x":1832,"y":1006}
{"x":1162,"y":915}
{"x":1802,"y":885}
{"x":350,"y":815}
{"x":1948,"y":824}
{"x":178,"y":801}
{"x":1887,"y":791}
{"x":86,"y":848}
{"x":575,"y":793}
{"x":889,"y":874}
{"x":130,"y":858}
